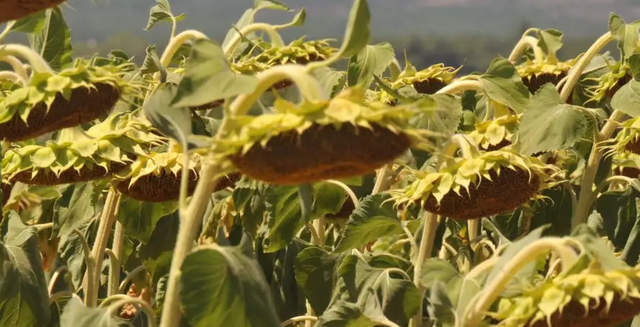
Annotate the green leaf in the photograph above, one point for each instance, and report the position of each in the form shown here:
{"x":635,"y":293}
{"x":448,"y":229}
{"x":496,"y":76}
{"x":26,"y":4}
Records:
{"x":269,"y":4}
{"x":24,"y":301}
{"x":366,"y":313}
{"x":627,"y":99}
{"x":550,"y":41}
{"x":371,"y":60}
{"x":314,"y":269}
{"x":554,"y":211}
{"x":82,"y":206}
{"x":139,"y":219}
{"x":491,"y":227}
{"x":329,"y":79}
{"x":223,"y":287}
{"x":152,"y":64}
{"x":245,"y":20}
{"x":597,"y":249}
{"x":631,"y":252}
{"x":445,"y":116}
{"x":156,"y":254}
{"x":440,"y":306}
{"x":33,"y":23}
{"x":358,"y":33}
{"x":370,"y":221}
{"x":71,"y":251}
{"x":549,"y":124}
{"x":208,"y":77}
{"x":439,"y":270}
{"x":626,"y":34}
{"x":503,"y":84}
{"x":284,"y":211}
{"x":161,"y":12}
{"x":53,"y":41}
{"x":172,"y":121}
{"x":76,"y":314}
{"x":618,"y":210}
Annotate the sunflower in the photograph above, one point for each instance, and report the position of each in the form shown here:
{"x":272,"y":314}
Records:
{"x":628,"y":139}
{"x":495,"y":134}
{"x":427,"y":81}
{"x":536,"y":73}
{"x":339,"y":138}
{"x":494,"y":182}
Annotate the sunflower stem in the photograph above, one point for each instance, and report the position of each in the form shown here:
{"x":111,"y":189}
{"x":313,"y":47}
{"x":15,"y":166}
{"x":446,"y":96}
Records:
{"x":460,"y":86}
{"x":582,"y":63}
{"x":523,"y":44}
{"x":114,"y":275}
{"x":116,"y":261}
{"x":176,"y":42}
{"x":37,"y":63}
{"x":585,"y":198}
{"x":90,"y":259}
{"x":348,"y":190}
{"x":108,"y":218}
{"x":12,"y":77}
{"x":481,"y":303}
{"x":17,"y":66}
{"x":274,"y":37}
{"x":298,"y":319}
{"x":430,"y":225}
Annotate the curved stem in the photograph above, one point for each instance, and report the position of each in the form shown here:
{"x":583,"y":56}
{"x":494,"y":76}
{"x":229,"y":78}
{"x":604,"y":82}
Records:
{"x":41,"y":227}
{"x":482,"y":267}
{"x":37,"y":63}
{"x":460,"y":86}
{"x":473,"y":314}
{"x":114,"y":275}
{"x":184,"y":181}
{"x":89,"y":291}
{"x":108,"y":218}
{"x":13,"y":77}
{"x":118,"y":250}
{"x":16,"y":65}
{"x":274,"y":37}
{"x":486,"y":243}
{"x":127,"y":279}
{"x":299,"y":319}
{"x":426,"y":245}
{"x":177,"y":42}
{"x":582,"y":63}
{"x":146,"y":308}
{"x":583,"y":209}
{"x":54,"y":278}
{"x":523,"y":44}
{"x":348,"y":190}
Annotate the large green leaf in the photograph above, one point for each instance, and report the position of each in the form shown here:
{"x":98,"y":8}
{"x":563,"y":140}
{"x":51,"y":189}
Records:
{"x":139,"y":219}
{"x":329,"y":79}
{"x":597,"y":248}
{"x":550,"y":41}
{"x":369,"y":221}
{"x":627,"y":99}
{"x":33,"y":23}
{"x":439,"y":270}
{"x":172,"y":121}
{"x":156,"y":255}
{"x":269,"y":4}
{"x":365,"y":313}
{"x":71,"y":251}
{"x":549,"y":124}
{"x":223,"y":287}
{"x":358,"y":33}
{"x":82,"y":206}
{"x":285,"y":214}
{"x":208,"y":77}
{"x":76,"y":314}
{"x":503,"y":84}
{"x":24,"y":300}
{"x":314,"y":269}
{"x":619,"y":212}
{"x":440,"y":307}
{"x":161,"y":12}
{"x":445,"y":116}
{"x":626,"y":34}
{"x":371,"y":60}
{"x":53,"y":41}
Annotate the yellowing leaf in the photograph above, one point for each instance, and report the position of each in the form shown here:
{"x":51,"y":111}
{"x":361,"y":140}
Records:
{"x":43,"y":157}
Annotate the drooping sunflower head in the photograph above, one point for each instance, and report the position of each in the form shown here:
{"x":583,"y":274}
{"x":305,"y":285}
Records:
{"x":426,"y":81}
{"x":592,"y":297}
{"x":495,"y":134}
{"x":609,"y":83}
{"x":627,"y":164}
{"x":77,"y":156}
{"x":628,"y":139}
{"x":339,"y":138}
{"x":493,"y":183}
{"x":537,"y":73}
{"x":53,"y":101}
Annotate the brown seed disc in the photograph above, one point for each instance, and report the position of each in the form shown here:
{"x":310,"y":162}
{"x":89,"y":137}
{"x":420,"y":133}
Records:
{"x":320,"y":153}
{"x":498,"y":146}
{"x":633,"y":146}
{"x":208,"y":106}
{"x":502,"y":194}
{"x":574,"y":315}
{"x":166,"y":186}
{"x":619,"y":84}
{"x":6,"y":193}
{"x":68,"y":176}
{"x":345,"y":211}
{"x":16,"y":9}
{"x":84,"y":106}
{"x":429,"y":85}
{"x":628,"y":172}
{"x":534,"y":83}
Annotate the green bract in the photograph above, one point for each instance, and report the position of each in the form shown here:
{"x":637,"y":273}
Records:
{"x":609,"y":83}
{"x":80,"y":156}
{"x":592,"y":297}
{"x":537,"y":73}
{"x":628,"y":139}
{"x":68,"y":98}
{"x":425,"y":81}
{"x":343,"y":137}
{"x":494,"y":134}
{"x":492,"y":183}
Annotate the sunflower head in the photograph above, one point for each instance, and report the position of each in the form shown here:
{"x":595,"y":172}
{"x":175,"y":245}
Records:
{"x":627,"y":164}
{"x":77,"y":155}
{"x":628,"y":139}
{"x":495,"y":134}
{"x":609,"y":83}
{"x":426,"y":81}
{"x":491,"y":183}
{"x":537,"y":73}
{"x":591,"y":297}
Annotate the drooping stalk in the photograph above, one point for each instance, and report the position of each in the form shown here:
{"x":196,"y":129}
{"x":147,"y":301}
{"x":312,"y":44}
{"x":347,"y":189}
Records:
{"x":16,"y":65}
{"x":176,"y":42}
{"x":429,"y":228}
{"x":309,"y":89}
{"x":348,"y":190}
{"x":526,"y":42}
{"x":108,"y":218}
{"x":481,"y":303}
{"x":460,"y":86}
{"x":13,"y":77}
{"x":274,"y":37}
{"x":37,"y":63}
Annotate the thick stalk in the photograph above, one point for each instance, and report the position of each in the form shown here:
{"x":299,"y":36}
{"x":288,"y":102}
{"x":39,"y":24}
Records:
{"x":426,"y":245}
{"x":274,"y":37}
{"x":16,"y":65}
{"x":177,"y":42}
{"x":461,"y":86}
{"x":37,"y":63}
{"x":474,"y":227}
{"x":118,"y":250}
{"x":108,"y":218}
{"x":523,"y":44}
{"x":310,"y":89}
{"x":530,"y":253}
